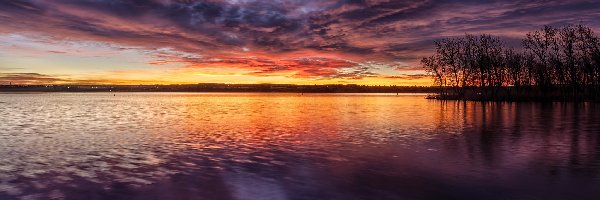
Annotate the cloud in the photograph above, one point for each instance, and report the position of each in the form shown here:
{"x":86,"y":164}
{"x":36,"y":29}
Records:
{"x":305,"y":67}
{"x":9,"y":68}
{"x":57,"y":52}
{"x":29,"y":78}
{"x":408,"y":76}
{"x":42,"y":79}
{"x":305,"y":39}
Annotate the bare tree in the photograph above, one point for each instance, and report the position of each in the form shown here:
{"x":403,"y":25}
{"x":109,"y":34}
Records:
{"x":566,"y":59}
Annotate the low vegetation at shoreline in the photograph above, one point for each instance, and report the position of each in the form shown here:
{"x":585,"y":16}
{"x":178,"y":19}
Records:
{"x":554,"y":64}
{"x":215,"y":87}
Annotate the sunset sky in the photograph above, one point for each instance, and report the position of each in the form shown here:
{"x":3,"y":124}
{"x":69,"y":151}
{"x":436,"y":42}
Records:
{"x":374,"y":42}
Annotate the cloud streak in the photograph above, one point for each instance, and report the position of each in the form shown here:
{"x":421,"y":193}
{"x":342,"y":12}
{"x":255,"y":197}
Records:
{"x":28,"y":78}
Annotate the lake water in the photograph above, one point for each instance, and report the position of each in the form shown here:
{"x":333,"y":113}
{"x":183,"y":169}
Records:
{"x":290,"y":146}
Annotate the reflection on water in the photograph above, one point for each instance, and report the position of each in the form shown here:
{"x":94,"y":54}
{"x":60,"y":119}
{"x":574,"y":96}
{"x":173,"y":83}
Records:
{"x":290,"y":146}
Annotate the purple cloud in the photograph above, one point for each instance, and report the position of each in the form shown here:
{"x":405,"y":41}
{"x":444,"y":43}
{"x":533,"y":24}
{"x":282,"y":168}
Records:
{"x":269,"y":35}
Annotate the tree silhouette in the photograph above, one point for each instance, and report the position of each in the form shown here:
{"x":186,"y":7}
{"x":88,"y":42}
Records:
{"x":553,"y":64}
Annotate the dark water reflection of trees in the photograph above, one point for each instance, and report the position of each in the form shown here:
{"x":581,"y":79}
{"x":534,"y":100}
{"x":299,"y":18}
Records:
{"x":282,"y":146}
{"x":502,"y":151}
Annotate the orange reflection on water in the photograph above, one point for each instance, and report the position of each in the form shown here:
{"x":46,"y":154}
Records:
{"x":323,"y":146}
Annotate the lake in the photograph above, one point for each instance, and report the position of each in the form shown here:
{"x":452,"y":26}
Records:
{"x":291,"y":146}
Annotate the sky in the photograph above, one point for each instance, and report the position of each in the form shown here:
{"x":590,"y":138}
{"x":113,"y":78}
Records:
{"x":372,"y":42}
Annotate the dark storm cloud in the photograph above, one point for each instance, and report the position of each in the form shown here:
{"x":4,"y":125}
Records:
{"x":243,"y":31}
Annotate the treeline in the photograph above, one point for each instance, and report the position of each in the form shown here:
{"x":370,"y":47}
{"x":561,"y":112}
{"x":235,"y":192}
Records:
{"x":553,"y":64}
{"x":212,"y":87}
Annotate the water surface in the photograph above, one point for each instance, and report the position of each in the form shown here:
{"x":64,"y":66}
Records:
{"x":291,"y":146}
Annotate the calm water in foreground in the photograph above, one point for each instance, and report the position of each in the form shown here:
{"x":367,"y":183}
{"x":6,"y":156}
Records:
{"x":287,"y":146}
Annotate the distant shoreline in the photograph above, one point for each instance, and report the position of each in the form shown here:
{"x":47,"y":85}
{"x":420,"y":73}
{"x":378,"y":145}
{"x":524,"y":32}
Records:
{"x":266,"y":88}
{"x":517,"y":94}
